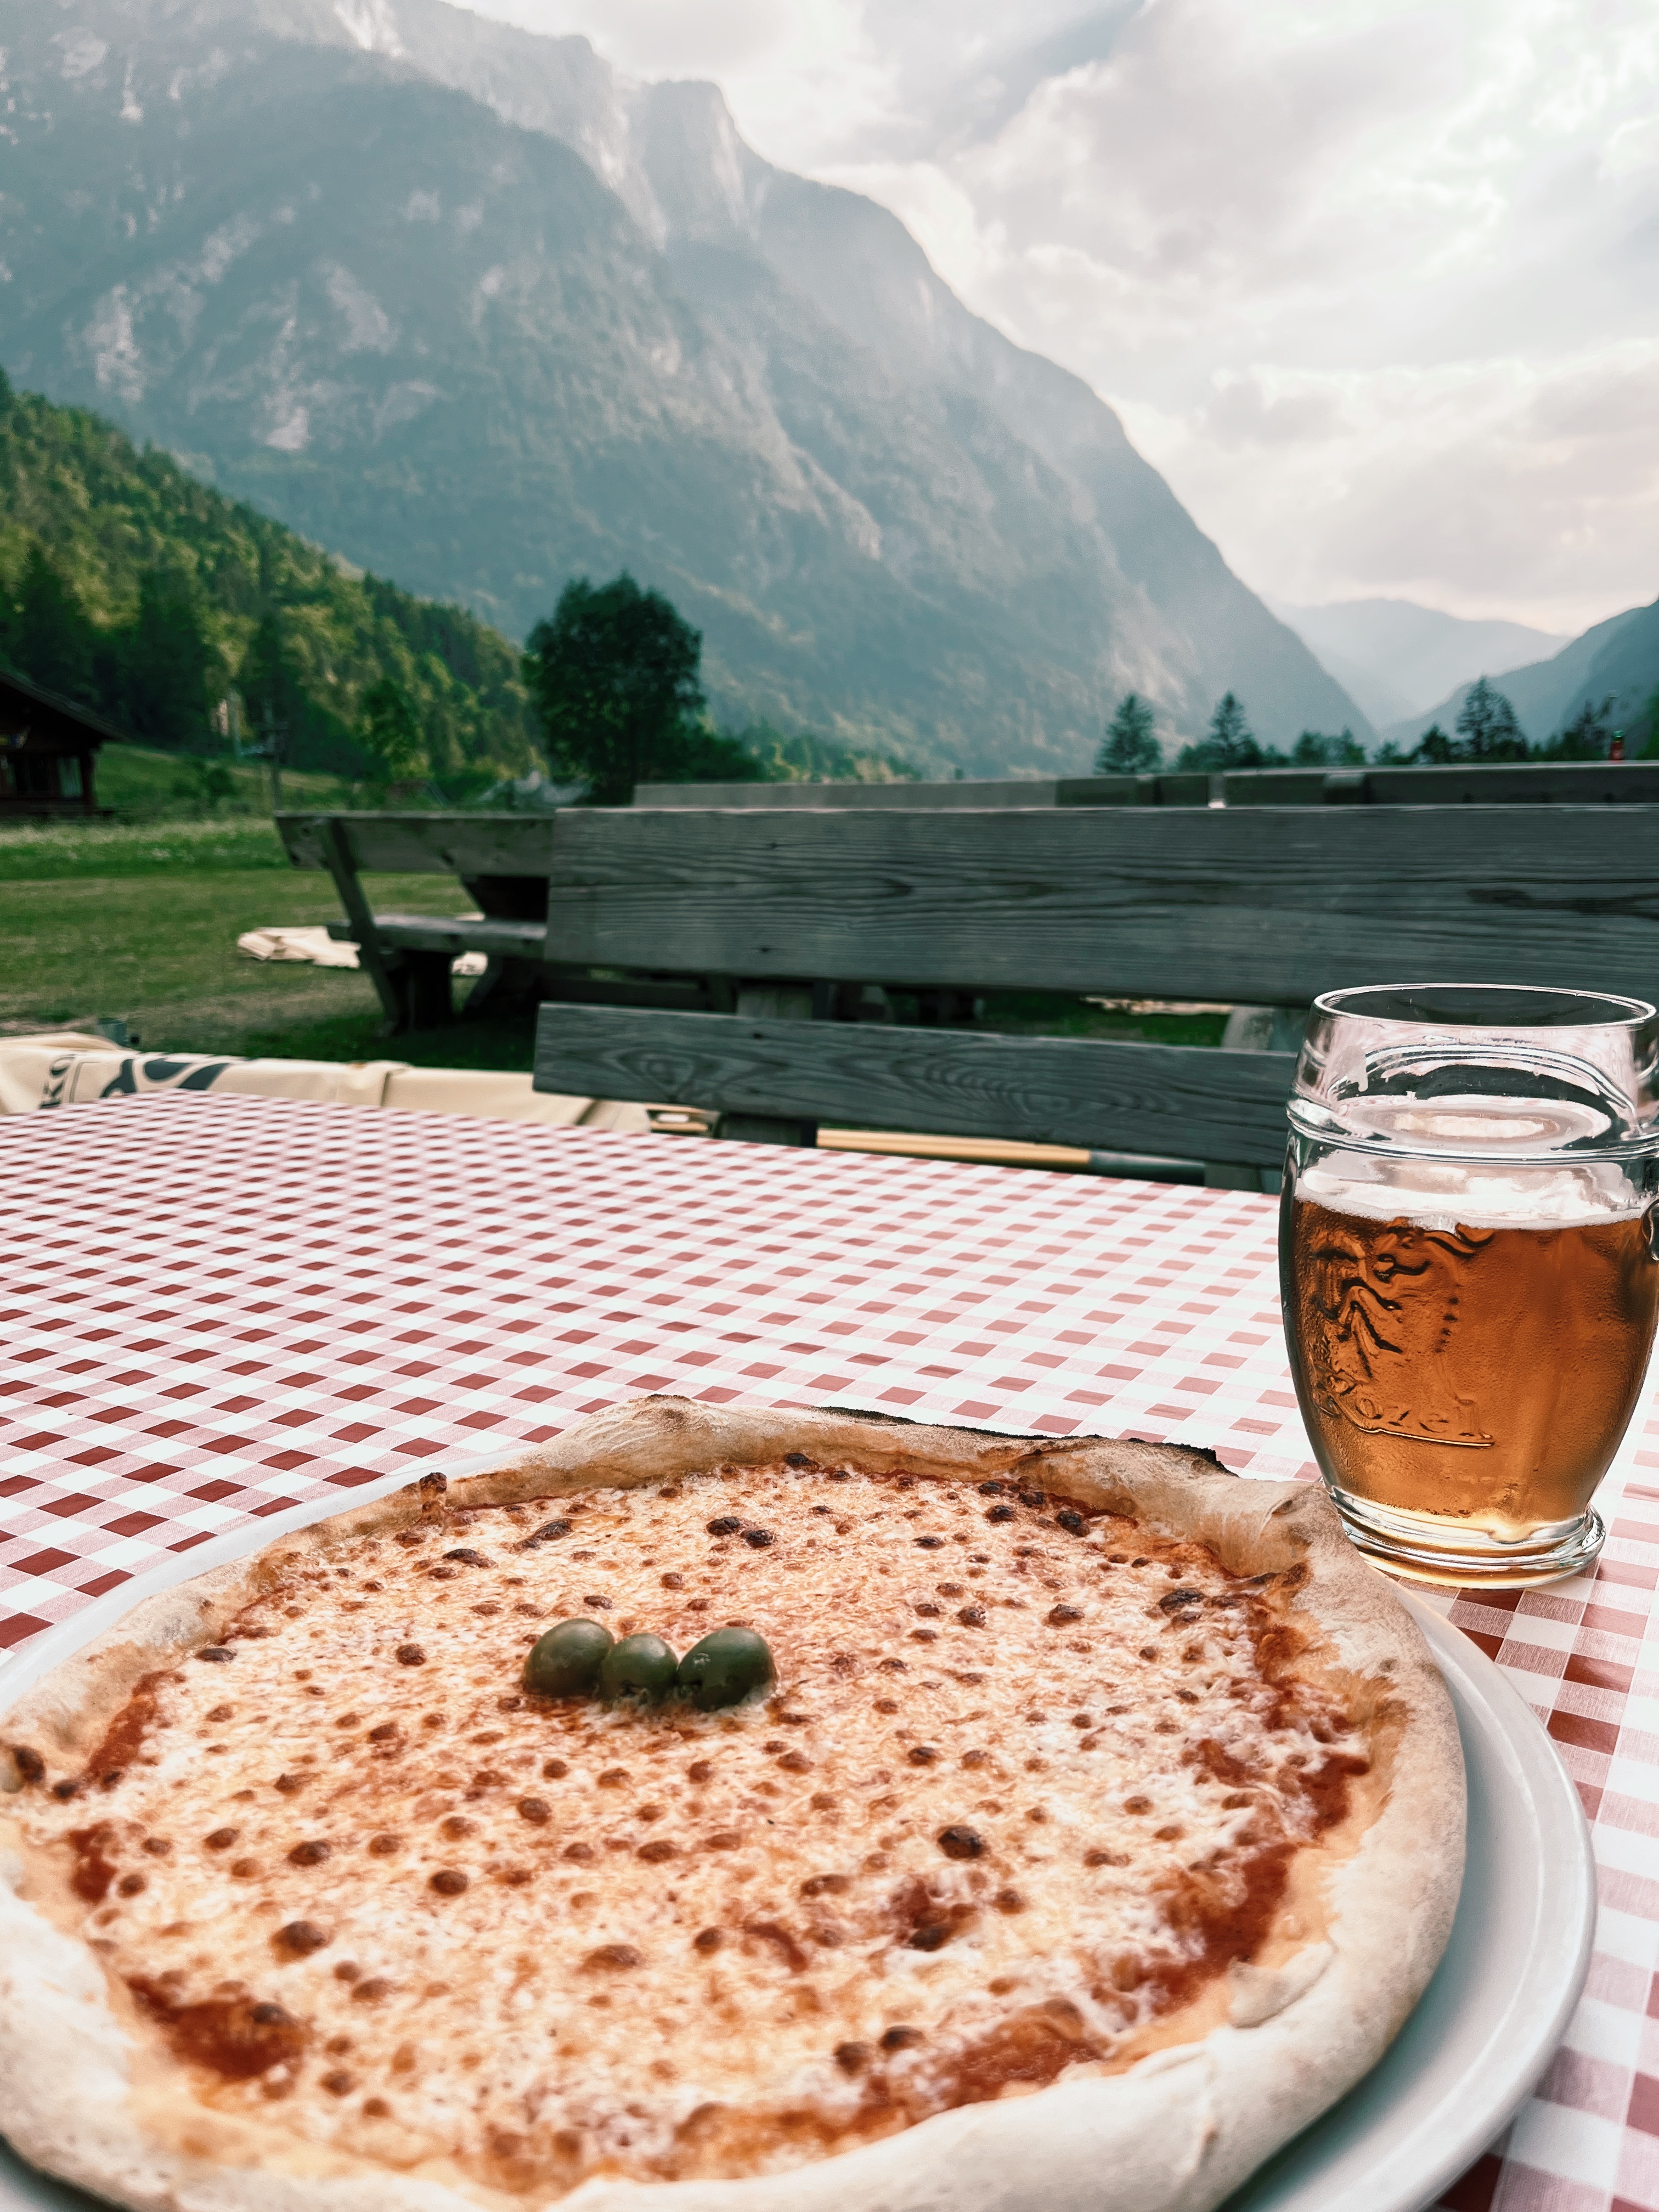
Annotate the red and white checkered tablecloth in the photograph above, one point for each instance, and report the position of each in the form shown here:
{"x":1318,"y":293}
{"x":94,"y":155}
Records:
{"x":215,"y":1307}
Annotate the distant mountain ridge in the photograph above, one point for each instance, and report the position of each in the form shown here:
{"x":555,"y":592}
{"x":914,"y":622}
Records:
{"x":1617,"y":660}
{"x":454,"y":300}
{"x":1396,"y":659}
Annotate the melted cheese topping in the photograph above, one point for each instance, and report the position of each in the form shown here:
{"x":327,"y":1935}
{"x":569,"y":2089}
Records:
{"x":1030,"y":1777}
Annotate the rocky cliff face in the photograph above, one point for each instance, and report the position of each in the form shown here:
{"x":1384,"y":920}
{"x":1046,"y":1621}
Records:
{"x":458,"y":302}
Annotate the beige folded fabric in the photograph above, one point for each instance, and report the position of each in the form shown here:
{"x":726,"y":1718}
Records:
{"x":317,"y":947}
{"x":68,"y":1068}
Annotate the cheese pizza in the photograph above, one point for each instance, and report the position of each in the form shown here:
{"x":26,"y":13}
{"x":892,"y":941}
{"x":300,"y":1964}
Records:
{"x":736,"y":1809}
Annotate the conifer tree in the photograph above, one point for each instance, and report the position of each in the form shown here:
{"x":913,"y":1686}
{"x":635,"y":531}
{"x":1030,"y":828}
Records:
{"x":1230,"y":739}
{"x":1588,"y":736}
{"x":1487,"y":727}
{"x":52,"y":643}
{"x":1313,"y":749}
{"x":165,"y":663}
{"x":1129,"y":747}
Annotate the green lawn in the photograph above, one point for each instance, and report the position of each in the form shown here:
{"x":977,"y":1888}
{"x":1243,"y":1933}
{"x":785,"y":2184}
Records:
{"x":156,"y":947}
{"x":46,"y":852}
{"x":143,"y":785}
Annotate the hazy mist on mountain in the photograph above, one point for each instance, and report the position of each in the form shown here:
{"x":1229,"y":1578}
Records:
{"x":458,"y":301}
{"x":1615,"y":663}
{"x":1395,"y":659}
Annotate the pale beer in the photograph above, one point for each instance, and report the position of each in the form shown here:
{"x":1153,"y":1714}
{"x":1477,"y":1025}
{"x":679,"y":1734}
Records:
{"x":1469,"y":1262}
{"x":1482,"y":1376}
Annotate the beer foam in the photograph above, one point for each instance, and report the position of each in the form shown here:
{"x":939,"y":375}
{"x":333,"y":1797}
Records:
{"x":1445,"y":1195}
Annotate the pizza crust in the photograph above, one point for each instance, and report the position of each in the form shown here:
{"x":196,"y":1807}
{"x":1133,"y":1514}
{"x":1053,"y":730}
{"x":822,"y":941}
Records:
{"x":1261,"y":2056}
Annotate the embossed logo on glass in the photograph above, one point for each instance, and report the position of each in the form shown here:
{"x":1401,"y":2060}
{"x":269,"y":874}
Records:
{"x":1383,"y":1338}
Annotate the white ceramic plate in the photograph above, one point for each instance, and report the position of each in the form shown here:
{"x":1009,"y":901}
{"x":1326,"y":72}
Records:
{"x":1488,"y":2023}
{"x":1460,"y":2068}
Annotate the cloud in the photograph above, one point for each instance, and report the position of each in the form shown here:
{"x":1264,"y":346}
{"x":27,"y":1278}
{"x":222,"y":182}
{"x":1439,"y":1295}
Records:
{"x":1496,"y":488}
{"x":1242,"y":414}
{"x":1372,"y":281}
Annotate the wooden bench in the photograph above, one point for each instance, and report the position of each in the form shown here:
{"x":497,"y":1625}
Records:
{"x":1263,"y":907}
{"x":505,"y":859}
{"x":503,"y":862}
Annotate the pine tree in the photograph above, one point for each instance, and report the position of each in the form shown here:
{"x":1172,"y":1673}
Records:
{"x":1435,"y":747}
{"x":51,"y":641}
{"x":1588,"y":736}
{"x":270,"y":680}
{"x":1314,"y":749}
{"x":1230,"y":738}
{"x":166,"y":661}
{"x":1129,"y":747}
{"x":1487,"y":727}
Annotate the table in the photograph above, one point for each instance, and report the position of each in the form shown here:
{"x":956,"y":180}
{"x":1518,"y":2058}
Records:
{"x":215,"y":1307}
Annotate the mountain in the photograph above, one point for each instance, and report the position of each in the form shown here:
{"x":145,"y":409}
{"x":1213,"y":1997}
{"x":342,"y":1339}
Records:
{"x":129,"y":586}
{"x":1396,"y":659}
{"x":458,"y":301}
{"x":1618,"y":658}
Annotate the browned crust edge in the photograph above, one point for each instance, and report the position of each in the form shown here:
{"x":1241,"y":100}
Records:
{"x":1180,"y":2128}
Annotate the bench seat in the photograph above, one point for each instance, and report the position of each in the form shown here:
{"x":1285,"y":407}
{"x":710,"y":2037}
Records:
{"x":426,"y":933}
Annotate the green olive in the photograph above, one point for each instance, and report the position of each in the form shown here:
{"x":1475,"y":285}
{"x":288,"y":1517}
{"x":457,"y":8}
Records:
{"x":725,"y":1668}
{"x":566,"y":1662}
{"x":640,"y":1670}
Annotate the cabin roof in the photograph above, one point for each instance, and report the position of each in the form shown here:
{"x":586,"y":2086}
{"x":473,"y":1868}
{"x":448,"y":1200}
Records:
{"x":51,"y":724}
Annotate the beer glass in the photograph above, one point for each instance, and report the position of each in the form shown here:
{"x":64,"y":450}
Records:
{"x":1469,"y":1257}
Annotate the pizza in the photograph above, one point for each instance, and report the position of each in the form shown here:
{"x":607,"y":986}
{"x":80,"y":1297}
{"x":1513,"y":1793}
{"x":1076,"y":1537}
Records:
{"x":1091,"y":1813}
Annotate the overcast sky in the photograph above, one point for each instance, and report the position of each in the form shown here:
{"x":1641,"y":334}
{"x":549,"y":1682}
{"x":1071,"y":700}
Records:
{"x":1375,"y":284}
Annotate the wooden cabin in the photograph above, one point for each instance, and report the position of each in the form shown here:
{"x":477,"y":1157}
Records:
{"x":47,"y":748}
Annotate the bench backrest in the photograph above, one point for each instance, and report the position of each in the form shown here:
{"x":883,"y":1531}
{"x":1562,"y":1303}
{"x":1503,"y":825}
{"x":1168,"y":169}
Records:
{"x":1240,"y":904}
{"x":474,"y":844}
{"x":1250,"y":905}
{"x":1473,"y":783}
{"x":1004,"y":792}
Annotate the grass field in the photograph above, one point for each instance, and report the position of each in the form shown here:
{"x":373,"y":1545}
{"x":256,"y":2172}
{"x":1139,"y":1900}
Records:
{"x":48,"y":852}
{"x":142,"y":785}
{"x":139,"y":922}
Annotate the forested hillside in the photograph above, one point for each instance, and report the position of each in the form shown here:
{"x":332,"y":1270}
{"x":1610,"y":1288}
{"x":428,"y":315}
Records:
{"x":127,"y":585}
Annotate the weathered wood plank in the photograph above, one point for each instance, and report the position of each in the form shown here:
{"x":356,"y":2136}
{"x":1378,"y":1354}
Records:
{"x":1114,"y":790}
{"x":1100,"y":1095}
{"x":1293,"y":786}
{"x":1254,"y":904}
{"x":425,"y":933}
{"x":1517,"y":783}
{"x":1004,"y":792}
{"x":1499,"y":783}
{"x":1187,"y":789}
{"x":431,"y":844}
